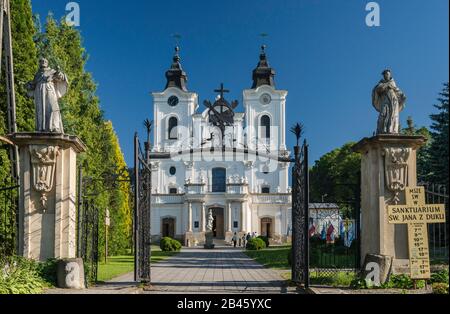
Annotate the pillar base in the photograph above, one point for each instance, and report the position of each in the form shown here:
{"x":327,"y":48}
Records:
{"x":388,"y":166}
{"x":47,"y":205}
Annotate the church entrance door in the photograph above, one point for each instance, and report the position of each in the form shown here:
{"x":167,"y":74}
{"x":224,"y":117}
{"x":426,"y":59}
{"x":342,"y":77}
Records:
{"x":168,"y":227}
{"x":218,"y":223}
{"x":266,"y":227}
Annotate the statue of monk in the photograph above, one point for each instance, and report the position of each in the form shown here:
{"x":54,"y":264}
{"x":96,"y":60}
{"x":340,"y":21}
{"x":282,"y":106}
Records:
{"x":46,"y":89}
{"x":389,"y":101}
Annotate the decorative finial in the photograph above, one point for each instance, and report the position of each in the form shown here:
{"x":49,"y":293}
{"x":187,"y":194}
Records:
{"x":263,"y":49}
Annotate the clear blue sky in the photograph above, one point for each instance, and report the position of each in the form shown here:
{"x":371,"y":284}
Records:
{"x":323,"y":52}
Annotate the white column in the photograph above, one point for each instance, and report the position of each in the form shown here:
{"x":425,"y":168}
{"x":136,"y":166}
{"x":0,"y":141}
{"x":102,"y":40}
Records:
{"x":229,"y":218}
{"x":243,"y":226}
{"x":203,"y":217}
{"x":189,"y":229}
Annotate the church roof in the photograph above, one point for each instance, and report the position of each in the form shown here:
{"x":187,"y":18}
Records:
{"x":176,"y":77}
{"x":263,"y":74}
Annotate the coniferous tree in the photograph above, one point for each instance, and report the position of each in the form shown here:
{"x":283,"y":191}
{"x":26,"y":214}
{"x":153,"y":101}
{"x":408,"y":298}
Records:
{"x":438,"y":150}
{"x":25,"y":65}
{"x":62,"y":46}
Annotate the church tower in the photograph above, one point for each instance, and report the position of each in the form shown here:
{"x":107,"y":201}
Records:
{"x":265,"y":119}
{"x":173,"y":109}
{"x":265,"y":110}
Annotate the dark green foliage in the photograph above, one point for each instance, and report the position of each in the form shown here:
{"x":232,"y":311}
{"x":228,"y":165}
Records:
{"x":290,"y":257}
{"x":423,"y":153}
{"x":25,"y":65}
{"x":47,"y":271}
{"x":82,"y":116}
{"x":440,"y":277}
{"x":266,"y":240}
{"x":255,"y":244}
{"x":170,"y":245}
{"x":438,"y":150}
{"x":22,"y":276}
{"x":395,"y":282}
{"x":332,"y":174}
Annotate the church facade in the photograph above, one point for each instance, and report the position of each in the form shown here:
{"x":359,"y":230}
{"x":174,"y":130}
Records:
{"x":208,"y":157}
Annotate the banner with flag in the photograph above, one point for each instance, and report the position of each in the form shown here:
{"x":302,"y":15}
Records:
{"x":330,"y":234}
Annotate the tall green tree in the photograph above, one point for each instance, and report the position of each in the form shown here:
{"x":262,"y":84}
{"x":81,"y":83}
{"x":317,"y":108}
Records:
{"x":423,"y":154}
{"x":438,"y":150}
{"x":25,"y":66}
{"x":62,"y":45}
{"x":335,"y":176}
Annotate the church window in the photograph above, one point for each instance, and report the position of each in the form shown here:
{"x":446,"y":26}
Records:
{"x":265,"y":127}
{"x":173,"y":128}
{"x":172,"y":171}
{"x":219,"y":180}
{"x":265,"y":190}
{"x":173,"y":191}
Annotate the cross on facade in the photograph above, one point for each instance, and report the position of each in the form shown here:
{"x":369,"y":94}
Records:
{"x":417,"y":215}
{"x":222,"y":91}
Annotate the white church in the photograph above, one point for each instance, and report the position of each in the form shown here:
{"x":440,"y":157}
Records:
{"x":206,"y":157}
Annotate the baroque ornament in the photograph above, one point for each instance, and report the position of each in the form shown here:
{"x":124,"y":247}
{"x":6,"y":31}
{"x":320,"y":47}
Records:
{"x":396,"y":170}
{"x":43,"y":162}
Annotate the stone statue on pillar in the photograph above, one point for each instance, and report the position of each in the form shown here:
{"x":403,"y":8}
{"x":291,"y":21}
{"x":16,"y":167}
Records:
{"x":388,"y":167}
{"x":47,"y":87}
{"x":389,"y":101}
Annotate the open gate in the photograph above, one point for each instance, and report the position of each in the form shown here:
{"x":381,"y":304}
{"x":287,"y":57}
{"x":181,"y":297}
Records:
{"x":300,"y":204}
{"x":142,"y":202}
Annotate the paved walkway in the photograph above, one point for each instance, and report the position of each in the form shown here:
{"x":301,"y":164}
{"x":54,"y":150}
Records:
{"x":224,"y":270}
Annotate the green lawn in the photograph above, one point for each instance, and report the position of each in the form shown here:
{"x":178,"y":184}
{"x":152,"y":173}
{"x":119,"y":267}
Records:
{"x":120,"y":265}
{"x":272,"y":257}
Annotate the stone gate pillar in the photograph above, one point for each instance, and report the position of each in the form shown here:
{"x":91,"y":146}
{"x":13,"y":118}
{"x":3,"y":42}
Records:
{"x":47,"y":205}
{"x":388,"y":166}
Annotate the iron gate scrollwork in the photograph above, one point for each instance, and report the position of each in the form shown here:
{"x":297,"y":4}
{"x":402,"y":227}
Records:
{"x":88,"y":246}
{"x":300,"y":205}
{"x":142,"y":203}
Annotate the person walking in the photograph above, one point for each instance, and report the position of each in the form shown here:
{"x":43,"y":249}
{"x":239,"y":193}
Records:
{"x":248,"y":237}
{"x":235,"y":239}
{"x":244,"y":238}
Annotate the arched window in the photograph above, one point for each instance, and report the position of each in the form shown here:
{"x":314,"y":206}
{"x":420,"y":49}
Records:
{"x":173,"y":128}
{"x":219,"y":180}
{"x":265,"y":127}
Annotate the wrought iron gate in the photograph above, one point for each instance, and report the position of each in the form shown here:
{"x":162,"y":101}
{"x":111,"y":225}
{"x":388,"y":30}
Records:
{"x":334,"y":238}
{"x":300,"y":204}
{"x":142,"y":202}
{"x":88,"y":233}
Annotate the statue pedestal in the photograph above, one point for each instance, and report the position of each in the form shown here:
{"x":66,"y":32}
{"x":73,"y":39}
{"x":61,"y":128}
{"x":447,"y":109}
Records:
{"x":388,"y":166}
{"x":209,"y":244}
{"x":47,"y":205}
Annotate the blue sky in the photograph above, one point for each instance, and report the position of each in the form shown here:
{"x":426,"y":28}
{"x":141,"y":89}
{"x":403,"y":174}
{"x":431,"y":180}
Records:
{"x":323,"y":52}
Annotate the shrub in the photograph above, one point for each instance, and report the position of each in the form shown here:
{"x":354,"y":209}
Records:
{"x":170,"y":245}
{"x":440,"y":277}
{"x":440,"y":288}
{"x":21,"y":276}
{"x":265,"y":239}
{"x":255,"y":244}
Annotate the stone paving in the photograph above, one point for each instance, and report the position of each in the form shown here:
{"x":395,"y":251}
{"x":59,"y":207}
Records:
{"x":224,"y":270}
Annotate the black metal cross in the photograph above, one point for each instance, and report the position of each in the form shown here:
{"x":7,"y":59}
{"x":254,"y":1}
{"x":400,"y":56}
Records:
{"x":222,"y":91}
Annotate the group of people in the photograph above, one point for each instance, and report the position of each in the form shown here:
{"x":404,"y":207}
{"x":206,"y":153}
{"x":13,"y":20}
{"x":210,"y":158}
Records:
{"x":245,"y":238}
